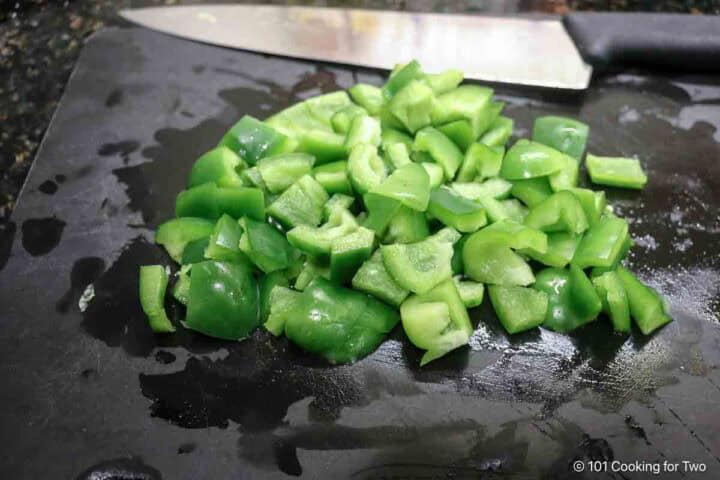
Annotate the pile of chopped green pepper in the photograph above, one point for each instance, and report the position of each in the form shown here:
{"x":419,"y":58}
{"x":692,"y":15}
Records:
{"x":337,"y":218}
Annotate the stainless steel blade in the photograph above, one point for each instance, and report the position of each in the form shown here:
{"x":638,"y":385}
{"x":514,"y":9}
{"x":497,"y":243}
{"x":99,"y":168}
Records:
{"x":496,"y":49}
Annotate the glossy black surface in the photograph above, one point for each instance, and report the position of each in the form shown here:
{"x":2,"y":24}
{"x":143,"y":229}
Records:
{"x":94,"y":394}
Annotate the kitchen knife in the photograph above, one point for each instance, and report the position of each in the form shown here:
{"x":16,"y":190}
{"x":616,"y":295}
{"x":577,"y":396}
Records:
{"x":539,"y":52}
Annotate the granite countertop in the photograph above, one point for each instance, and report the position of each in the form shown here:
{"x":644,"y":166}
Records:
{"x":41,"y":39}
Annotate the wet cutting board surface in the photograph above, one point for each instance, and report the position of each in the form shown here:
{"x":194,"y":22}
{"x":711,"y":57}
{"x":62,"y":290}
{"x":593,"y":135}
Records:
{"x":88,"y":392}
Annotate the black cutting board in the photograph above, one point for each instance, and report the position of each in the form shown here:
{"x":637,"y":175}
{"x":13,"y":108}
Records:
{"x":86,"y":394}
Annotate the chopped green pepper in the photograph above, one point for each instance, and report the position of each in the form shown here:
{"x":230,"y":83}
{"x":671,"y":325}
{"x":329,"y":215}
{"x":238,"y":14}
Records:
{"x":397,"y":154}
{"x":342,"y":118}
{"x":456,"y":211}
{"x":444,"y":81}
{"x":603,"y":243}
{"x":566,"y":177}
{"x":560,"y":212}
{"x":225,"y":240}
{"x":319,"y":240}
{"x":470,"y":292}
{"x":381,"y":211}
{"x":223,"y":300}
{"x":333,"y":177}
{"x":528,"y":159}
{"x":175,"y":234}
{"x":153,"y":283}
{"x":407,"y":226}
{"x":194,"y":251}
{"x":338,"y":323}
{"x":301,"y":204}
{"x":442,"y":150}
{"x":467,"y":102}
{"x":363,"y":129}
{"x":460,"y":132}
{"x":493,"y":187}
{"x":611,"y":291}
{"x":561,"y":133}
{"x":419,"y":266}
{"x":412,"y":105}
{"x":373,"y":278}
{"x":181,"y":289}
{"x":368,"y":97}
{"x":365,"y":168}
{"x":480,"y":162}
{"x":572,"y":299}
{"x":265,"y":246}
{"x":211,"y":202}
{"x":518,"y":308}
{"x":390,"y":136}
{"x":311,"y":270}
{"x":409,"y":185}
{"x":252,"y":140}
{"x":401,"y":77}
{"x":647,"y":308}
{"x":561,"y":247}
{"x":283,"y":303}
{"x":324,"y":146}
{"x":280,"y":171}
{"x":616,"y":171}
{"x":498,"y":132}
{"x":349,"y":252}
{"x":435,"y":173}
{"x":220,"y":165}
{"x":436,"y":321}
{"x":593,"y":203}
{"x":531,"y":191}
{"x":265,"y":287}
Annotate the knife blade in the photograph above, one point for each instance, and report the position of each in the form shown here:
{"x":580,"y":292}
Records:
{"x":494,"y":49}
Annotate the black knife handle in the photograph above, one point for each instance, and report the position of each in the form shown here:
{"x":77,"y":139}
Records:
{"x":657,"y":40}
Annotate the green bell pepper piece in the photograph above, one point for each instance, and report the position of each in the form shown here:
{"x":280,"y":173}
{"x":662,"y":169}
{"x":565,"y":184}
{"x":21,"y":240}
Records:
{"x":220,"y":165}
{"x":225,"y":240}
{"x":368,"y":97}
{"x":566,"y":177}
{"x":265,"y":287}
{"x":407,"y":226}
{"x":251,"y":177}
{"x":444,"y":81}
{"x":325,"y":146}
{"x":616,"y":171}
{"x":409,"y":185}
{"x":412,"y":105}
{"x":365,"y":168}
{"x":518,"y":308}
{"x":311,"y":270}
{"x":457,"y":261}
{"x":611,"y":291}
{"x":494,"y":209}
{"x":460,"y":132}
{"x":480,"y":162}
{"x":341,"y":119}
{"x":391,"y":136}
{"x":223,"y":300}
{"x":401,"y":77}
{"x":512,"y":234}
{"x":470,"y":292}
{"x":603,"y":243}
{"x":283,"y":303}
{"x":514,"y":209}
{"x":381,"y":211}
{"x":560,"y":212}
{"x":495,"y":264}
{"x":593,"y":203}
{"x":280,"y":171}
{"x":265,"y":246}
{"x":373,"y":278}
{"x":467,"y":102}
{"x":194,"y":251}
{"x":153,"y":283}
{"x":419,"y":266}
{"x":252,"y":140}
{"x":295,"y":120}
{"x":435,"y":173}
{"x":338,"y":323}
{"x":397,"y":154}
{"x":498,"y":132}
{"x":323,"y":107}
{"x":175,"y":234}
{"x":436,"y":321}
{"x":531,"y":191}
{"x":363,"y":129}
{"x":647,"y":308}
{"x":211,"y":202}
{"x":528,"y":159}
{"x":301,"y":204}
{"x":561,"y":247}
{"x":338,"y":200}
{"x":442,"y":150}
{"x":572,"y":299}
{"x":456,"y":211}
{"x":333,"y":177}
{"x":181,"y":289}
{"x":318,"y":241}
{"x":349,"y":252}
{"x":497,"y":188}
{"x":561,"y":133}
